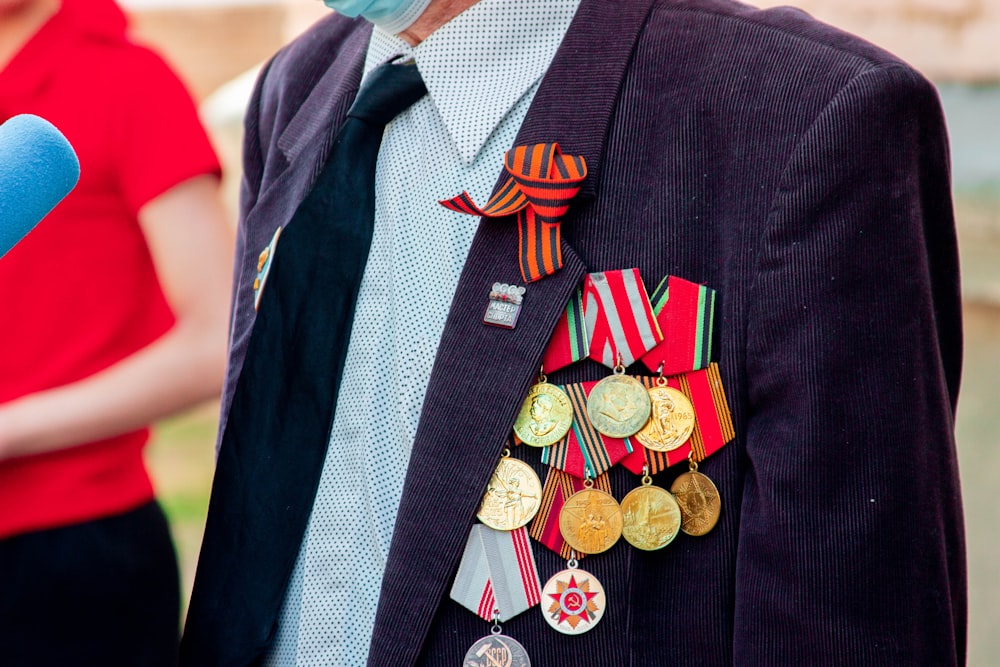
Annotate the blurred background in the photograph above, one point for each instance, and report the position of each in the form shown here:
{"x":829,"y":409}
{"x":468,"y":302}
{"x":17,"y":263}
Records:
{"x":217,"y":46}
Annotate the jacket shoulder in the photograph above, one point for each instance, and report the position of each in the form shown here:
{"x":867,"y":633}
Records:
{"x":785,"y":32}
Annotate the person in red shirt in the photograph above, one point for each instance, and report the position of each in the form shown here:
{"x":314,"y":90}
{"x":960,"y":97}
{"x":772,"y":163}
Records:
{"x":115,"y":314}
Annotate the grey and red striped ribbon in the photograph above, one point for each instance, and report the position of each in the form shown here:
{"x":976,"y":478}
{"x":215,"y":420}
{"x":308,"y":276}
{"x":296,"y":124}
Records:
{"x":497,"y":573}
{"x":619,"y":317}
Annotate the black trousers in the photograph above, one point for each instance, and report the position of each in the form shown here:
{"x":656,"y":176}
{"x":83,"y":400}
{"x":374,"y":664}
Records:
{"x":105,"y":592}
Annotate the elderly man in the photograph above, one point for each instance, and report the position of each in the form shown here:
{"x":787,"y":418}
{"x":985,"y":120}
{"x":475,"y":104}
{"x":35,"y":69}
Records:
{"x":795,"y":173}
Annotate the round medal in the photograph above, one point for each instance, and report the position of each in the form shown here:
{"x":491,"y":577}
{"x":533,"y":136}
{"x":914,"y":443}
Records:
{"x":671,"y":420}
{"x":618,"y":406}
{"x":495,"y":650}
{"x":699,"y":501}
{"x":545,"y":417}
{"x":513,"y":496}
{"x":591,"y":521}
{"x":573,"y":601}
{"x":651,"y":518}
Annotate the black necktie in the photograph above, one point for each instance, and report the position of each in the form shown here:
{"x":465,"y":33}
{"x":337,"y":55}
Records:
{"x":276,"y":435}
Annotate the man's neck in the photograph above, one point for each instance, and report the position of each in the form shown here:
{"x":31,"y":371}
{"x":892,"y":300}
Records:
{"x":438,"y":13}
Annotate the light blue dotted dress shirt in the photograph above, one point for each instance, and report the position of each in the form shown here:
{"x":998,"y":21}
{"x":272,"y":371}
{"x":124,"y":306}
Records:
{"x":481,"y":70}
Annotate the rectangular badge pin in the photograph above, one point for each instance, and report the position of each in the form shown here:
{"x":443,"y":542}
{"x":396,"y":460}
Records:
{"x":505,"y":305}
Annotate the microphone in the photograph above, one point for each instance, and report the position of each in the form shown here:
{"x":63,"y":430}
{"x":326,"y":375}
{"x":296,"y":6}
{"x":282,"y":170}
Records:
{"x":38,"y":168}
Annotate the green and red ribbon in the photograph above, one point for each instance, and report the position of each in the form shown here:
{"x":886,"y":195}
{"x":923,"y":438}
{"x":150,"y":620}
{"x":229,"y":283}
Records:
{"x":685,"y":312}
{"x":569,"y":341}
{"x":541,"y":183}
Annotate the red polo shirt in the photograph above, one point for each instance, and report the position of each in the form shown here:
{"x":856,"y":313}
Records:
{"x":79,"y":293}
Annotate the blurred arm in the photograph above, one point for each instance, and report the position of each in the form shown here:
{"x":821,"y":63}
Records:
{"x":191,"y":245}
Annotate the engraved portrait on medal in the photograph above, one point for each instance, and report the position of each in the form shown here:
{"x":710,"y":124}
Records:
{"x":671,"y":421}
{"x":618,"y":406}
{"x":545,"y":416}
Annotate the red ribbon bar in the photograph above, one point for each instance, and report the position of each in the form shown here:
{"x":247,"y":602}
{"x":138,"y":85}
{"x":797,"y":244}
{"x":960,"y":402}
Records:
{"x":684,"y":311}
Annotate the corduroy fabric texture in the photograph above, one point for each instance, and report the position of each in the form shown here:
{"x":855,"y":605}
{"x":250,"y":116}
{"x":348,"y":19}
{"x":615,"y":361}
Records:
{"x":801,"y":173}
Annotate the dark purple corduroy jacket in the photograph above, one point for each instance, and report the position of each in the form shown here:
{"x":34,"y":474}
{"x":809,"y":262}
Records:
{"x":800,"y":172}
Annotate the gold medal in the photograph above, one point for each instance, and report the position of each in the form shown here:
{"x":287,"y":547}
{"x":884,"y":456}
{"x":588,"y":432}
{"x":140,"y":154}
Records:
{"x":590,"y":521}
{"x":513,"y":495}
{"x":671,"y":420}
{"x":573,"y":601}
{"x":546,"y":415}
{"x":618,"y":405}
{"x":651,"y":516}
{"x":699,"y":501}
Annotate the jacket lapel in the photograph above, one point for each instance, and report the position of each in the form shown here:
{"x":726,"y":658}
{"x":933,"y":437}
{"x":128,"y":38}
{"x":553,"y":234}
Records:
{"x":240,"y":516}
{"x":481,"y":373}
{"x":306,"y":140}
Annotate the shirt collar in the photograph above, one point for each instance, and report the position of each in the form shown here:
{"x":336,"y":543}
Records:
{"x":477,"y":66}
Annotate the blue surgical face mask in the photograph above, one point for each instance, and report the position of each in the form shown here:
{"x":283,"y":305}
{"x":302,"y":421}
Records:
{"x":391,"y":15}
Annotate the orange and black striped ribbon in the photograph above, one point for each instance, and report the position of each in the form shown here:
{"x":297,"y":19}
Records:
{"x":713,"y":422}
{"x":585,"y":452}
{"x":559,"y":486}
{"x":542,"y":182}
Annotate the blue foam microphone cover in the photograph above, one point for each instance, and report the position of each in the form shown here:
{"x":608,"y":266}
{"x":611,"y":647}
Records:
{"x":38,"y":168}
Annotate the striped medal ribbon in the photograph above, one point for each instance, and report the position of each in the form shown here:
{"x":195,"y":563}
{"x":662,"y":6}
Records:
{"x":585,"y":452}
{"x":497,"y":578}
{"x":541,"y":183}
{"x":619,"y":319}
{"x":713,"y":422}
{"x":685,"y":313}
{"x":569,"y":342}
{"x":558,"y":488}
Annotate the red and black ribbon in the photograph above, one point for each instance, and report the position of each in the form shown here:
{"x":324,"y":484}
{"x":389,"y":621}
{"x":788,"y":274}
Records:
{"x":542,"y":182}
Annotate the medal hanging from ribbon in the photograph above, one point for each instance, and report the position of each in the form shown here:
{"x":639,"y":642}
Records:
{"x":585,"y":452}
{"x":512,"y":495}
{"x":558,"y":488}
{"x":545,"y":416}
{"x":496,"y":650}
{"x":699,"y":500}
{"x":497,"y":578}
{"x":712,"y":427}
{"x":685,"y":312}
{"x":541,"y":183}
{"x":651,"y":516}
